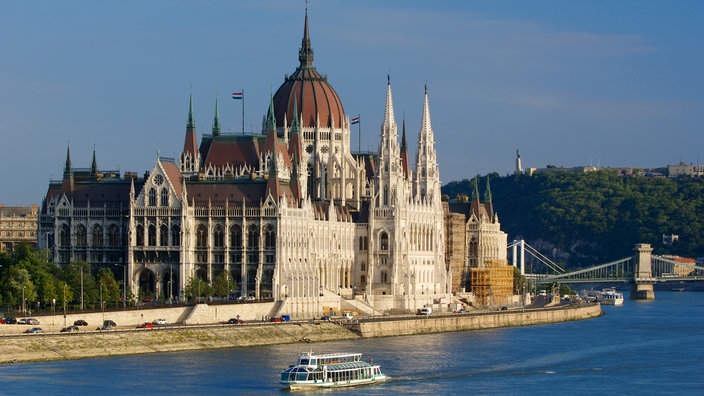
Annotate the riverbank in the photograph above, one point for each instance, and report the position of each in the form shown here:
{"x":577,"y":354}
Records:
{"x":61,"y":346}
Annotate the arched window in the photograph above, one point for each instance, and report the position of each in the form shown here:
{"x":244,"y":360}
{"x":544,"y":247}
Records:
{"x":202,"y":237}
{"x":218,"y":239}
{"x":114,"y":236}
{"x":253,"y":236}
{"x":270,"y":237}
{"x":175,"y":235}
{"x":384,"y":241}
{"x":81,"y":237}
{"x":152,"y":197}
{"x":164,"y":235}
{"x":97,"y":235}
{"x":164,"y":197}
{"x":473,"y":246}
{"x":235,"y":236}
{"x":65,"y":236}
{"x":152,"y":235}
{"x":140,"y":235}
{"x":384,"y":277}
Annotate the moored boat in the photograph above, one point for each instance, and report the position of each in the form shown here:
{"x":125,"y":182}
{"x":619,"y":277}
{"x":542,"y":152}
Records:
{"x":610,"y":297}
{"x":330,"y":370}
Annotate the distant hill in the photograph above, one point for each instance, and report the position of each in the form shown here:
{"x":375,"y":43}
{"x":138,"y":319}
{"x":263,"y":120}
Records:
{"x":584,"y":219}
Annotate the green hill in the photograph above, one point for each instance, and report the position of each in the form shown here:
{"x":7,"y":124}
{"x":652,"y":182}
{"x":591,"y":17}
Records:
{"x":584,"y":219}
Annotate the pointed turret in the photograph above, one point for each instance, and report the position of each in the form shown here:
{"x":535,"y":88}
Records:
{"x":519,"y":165}
{"x":270,"y":124}
{"x":67,"y":184}
{"x":94,"y":165}
{"x":389,"y":118}
{"x":427,"y":173}
{"x":216,"y":120}
{"x":404,"y":150}
{"x":190,"y":157}
{"x":487,"y":200}
{"x":390,"y":170}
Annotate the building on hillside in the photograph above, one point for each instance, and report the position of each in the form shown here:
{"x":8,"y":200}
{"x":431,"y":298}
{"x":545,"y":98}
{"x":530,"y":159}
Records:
{"x":18,"y":224}
{"x":291,"y":214}
{"x":683,"y":169}
{"x":484,"y":267}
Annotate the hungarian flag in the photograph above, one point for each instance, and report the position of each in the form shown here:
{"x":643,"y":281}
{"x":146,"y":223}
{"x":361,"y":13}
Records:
{"x":238,"y":95}
{"x":355,"y":121}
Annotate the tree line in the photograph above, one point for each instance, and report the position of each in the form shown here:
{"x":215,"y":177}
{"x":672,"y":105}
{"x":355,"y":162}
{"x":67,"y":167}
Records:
{"x":584,"y":219}
{"x":31,"y":284}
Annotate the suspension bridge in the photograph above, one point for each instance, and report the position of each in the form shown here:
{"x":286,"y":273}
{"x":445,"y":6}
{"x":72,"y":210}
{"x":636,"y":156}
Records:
{"x":642,"y":270}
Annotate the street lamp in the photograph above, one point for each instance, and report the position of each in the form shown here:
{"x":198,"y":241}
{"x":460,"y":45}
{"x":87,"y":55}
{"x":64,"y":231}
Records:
{"x":124,"y":284}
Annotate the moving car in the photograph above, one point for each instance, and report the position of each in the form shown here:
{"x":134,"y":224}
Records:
{"x":347,"y":315}
{"x":70,"y":329}
{"x":160,"y":322}
{"x":146,"y":325}
{"x":235,"y":321}
{"x":34,"y":330}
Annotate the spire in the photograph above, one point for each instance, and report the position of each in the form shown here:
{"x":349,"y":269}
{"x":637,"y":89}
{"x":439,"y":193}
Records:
{"x":475,"y":192}
{"x":404,"y":150}
{"x":191,"y":123}
{"x":425,"y":123}
{"x":487,"y":193}
{"x":295,"y":125}
{"x":270,"y":117}
{"x":519,"y":165}
{"x":389,"y":118}
{"x":94,"y":165}
{"x":190,"y":157}
{"x":67,"y":165}
{"x":305,"y":54}
{"x":216,"y":120}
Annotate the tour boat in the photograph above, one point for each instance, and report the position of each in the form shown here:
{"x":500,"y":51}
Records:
{"x":611,"y":297}
{"x":330,"y":370}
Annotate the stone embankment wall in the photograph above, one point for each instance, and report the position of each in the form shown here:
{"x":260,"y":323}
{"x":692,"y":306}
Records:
{"x":126,"y":341}
{"x":471,"y":321}
{"x":63,"y":346}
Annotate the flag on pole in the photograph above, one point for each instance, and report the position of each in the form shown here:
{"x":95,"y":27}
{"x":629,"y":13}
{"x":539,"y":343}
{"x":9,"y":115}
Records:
{"x":238,"y":95}
{"x":355,"y":120}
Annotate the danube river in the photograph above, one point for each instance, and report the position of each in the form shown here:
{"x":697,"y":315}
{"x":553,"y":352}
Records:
{"x":642,"y":347}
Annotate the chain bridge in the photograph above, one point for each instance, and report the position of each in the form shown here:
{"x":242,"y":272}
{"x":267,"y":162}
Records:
{"x":642,"y":270}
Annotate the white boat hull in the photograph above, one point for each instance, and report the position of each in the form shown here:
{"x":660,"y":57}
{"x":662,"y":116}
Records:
{"x":303,"y":385}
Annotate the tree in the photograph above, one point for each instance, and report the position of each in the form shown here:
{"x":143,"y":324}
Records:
{"x":197,"y":288}
{"x":223,"y":284}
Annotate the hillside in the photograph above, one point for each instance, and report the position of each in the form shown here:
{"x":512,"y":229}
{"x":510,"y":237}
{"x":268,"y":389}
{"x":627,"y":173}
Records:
{"x":592,"y":218}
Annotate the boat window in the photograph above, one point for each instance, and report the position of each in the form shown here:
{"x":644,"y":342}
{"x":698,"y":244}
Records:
{"x":304,"y":361}
{"x":312,"y":362}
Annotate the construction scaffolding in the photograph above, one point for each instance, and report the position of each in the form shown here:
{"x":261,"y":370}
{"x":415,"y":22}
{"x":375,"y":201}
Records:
{"x":493,"y":283}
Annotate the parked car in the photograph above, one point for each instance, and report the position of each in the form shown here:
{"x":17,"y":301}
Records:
{"x":9,"y":320}
{"x":109,"y":323}
{"x":22,"y":321}
{"x":70,"y":329}
{"x":146,"y":325}
{"x":2,"y":321}
{"x":160,"y":322}
{"x":34,"y":330}
{"x":32,"y":321}
{"x":105,"y":327}
{"x":80,"y":322}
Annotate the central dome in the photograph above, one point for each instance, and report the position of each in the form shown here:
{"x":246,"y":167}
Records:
{"x":311,"y":93}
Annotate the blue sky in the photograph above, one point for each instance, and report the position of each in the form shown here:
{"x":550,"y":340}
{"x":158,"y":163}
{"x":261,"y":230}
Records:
{"x":611,"y":83}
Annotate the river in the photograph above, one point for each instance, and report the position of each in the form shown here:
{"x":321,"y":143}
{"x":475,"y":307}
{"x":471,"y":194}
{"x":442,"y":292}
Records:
{"x":642,"y":347}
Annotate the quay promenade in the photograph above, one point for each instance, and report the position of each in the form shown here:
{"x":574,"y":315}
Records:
{"x":53,"y":345}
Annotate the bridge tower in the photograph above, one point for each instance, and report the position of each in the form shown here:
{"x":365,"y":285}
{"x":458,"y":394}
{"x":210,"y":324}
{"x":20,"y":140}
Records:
{"x":643,"y":280}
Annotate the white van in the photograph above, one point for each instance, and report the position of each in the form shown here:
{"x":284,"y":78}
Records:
{"x":347,"y":315}
{"x":425,"y":311}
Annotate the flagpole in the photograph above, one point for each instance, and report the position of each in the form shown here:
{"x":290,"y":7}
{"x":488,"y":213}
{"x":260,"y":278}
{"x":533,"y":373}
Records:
{"x":243,"y":111}
{"x":359,"y":132}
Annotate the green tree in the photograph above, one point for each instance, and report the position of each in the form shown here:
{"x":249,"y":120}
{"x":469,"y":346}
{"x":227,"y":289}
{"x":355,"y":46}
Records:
{"x":196,"y":288}
{"x":223,"y":284}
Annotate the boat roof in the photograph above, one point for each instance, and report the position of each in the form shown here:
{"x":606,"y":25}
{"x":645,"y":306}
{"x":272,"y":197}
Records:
{"x":348,"y":366}
{"x":329,"y":355}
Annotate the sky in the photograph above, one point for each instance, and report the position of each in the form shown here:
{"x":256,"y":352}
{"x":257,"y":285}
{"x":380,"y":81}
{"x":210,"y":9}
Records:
{"x":567,"y":83}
